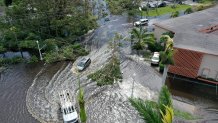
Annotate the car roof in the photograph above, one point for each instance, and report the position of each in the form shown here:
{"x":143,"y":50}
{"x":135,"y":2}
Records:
{"x":156,"y":54}
{"x":144,"y":19}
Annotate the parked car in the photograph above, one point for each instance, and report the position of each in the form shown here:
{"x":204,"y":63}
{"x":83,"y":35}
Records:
{"x":83,"y":64}
{"x":141,"y":22}
{"x":155,"y":58}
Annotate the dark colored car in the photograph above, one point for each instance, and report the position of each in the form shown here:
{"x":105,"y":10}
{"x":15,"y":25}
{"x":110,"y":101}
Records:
{"x":83,"y":64}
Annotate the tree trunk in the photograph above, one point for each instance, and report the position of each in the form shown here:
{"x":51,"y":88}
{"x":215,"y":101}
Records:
{"x":165,"y":74}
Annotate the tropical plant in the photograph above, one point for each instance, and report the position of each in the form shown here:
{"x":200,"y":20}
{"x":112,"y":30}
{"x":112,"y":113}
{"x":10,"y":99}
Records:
{"x":167,"y":56}
{"x":153,"y":112}
{"x":81,"y":101}
{"x":141,"y":39}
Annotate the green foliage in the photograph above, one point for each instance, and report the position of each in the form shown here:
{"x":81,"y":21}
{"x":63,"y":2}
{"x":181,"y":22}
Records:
{"x":165,"y":10}
{"x":188,"y":11}
{"x":156,"y":47}
{"x":161,"y":69}
{"x":7,"y":2}
{"x":2,"y":49}
{"x":184,"y":115}
{"x":171,"y":34}
{"x":81,"y":100}
{"x":108,"y":73}
{"x":117,"y":7}
{"x":141,"y":39}
{"x":33,"y":59}
{"x":174,"y":14}
{"x":164,"y":99}
{"x":70,"y":52}
{"x":166,"y":57}
{"x":56,"y":24}
{"x":8,"y":61}
{"x":147,"y":110}
{"x":153,"y":112}
{"x":28,"y":44}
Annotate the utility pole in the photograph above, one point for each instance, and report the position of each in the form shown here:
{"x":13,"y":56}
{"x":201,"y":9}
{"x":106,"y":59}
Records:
{"x":40,"y":54}
{"x":133,"y":84}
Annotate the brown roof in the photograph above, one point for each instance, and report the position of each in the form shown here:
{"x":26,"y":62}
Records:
{"x":186,"y":63}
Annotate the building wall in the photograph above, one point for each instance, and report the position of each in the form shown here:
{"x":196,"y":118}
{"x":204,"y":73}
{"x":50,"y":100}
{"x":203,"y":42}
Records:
{"x":209,"y":66}
{"x":158,"y":32}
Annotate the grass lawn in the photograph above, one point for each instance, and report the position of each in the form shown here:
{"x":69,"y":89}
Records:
{"x":184,"y":115}
{"x":165,"y":10}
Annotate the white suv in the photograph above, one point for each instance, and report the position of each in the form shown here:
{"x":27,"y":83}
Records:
{"x":141,"y":22}
{"x":155,"y":58}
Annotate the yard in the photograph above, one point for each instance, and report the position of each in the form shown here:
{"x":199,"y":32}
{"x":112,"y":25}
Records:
{"x":165,"y":10}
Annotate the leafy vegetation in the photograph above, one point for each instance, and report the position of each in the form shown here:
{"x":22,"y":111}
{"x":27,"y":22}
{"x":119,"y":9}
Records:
{"x":8,"y":61}
{"x":184,"y":115}
{"x":70,"y":52}
{"x":108,"y":73}
{"x":81,"y":101}
{"x":54,"y":25}
{"x":153,"y":112}
{"x":117,"y":7}
{"x":33,"y":59}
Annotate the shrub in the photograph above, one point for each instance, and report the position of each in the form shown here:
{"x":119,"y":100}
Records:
{"x":161,"y":69}
{"x":188,"y":11}
{"x":174,"y":14}
{"x":33,"y":59}
{"x":7,"y":61}
{"x":171,"y":34}
{"x":156,"y":47}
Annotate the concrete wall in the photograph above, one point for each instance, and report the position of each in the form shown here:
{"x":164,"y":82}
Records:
{"x":158,"y":32}
{"x":209,"y":65}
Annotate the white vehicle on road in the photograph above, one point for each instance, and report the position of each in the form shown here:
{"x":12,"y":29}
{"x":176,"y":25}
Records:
{"x":155,"y":58}
{"x":67,"y":108}
{"x":141,"y":22}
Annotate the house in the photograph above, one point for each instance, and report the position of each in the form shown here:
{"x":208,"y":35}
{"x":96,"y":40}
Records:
{"x":195,"y":44}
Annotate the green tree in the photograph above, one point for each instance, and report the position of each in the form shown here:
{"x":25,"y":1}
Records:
{"x":141,"y":39}
{"x":8,"y":2}
{"x":167,"y":56}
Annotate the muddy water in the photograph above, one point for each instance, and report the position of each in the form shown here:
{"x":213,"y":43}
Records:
{"x":14,"y":83}
{"x":202,"y":97}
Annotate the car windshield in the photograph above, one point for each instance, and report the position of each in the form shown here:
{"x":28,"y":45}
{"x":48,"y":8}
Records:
{"x":81,"y":64}
{"x":155,"y":58}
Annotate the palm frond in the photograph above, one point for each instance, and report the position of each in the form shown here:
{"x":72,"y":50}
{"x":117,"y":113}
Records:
{"x":168,"y":116}
{"x":164,"y":98}
{"x":146,"y":110}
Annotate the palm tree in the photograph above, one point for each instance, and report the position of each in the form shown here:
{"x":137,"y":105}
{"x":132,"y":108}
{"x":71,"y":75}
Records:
{"x":167,"y":56}
{"x":151,"y":111}
{"x":141,"y":39}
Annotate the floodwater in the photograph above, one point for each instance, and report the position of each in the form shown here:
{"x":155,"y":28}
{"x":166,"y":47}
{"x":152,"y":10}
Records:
{"x":14,"y":83}
{"x":203,"y":97}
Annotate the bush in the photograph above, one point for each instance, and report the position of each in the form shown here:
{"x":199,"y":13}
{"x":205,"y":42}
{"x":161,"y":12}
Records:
{"x":7,"y":61}
{"x":188,"y":11}
{"x":106,"y":75}
{"x":175,"y":14}
{"x":171,"y":34}
{"x":161,"y":67}
{"x":33,"y":59}
{"x":156,"y":47}
{"x":70,"y":52}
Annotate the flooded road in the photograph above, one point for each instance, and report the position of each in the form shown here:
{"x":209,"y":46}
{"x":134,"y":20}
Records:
{"x":14,"y":83}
